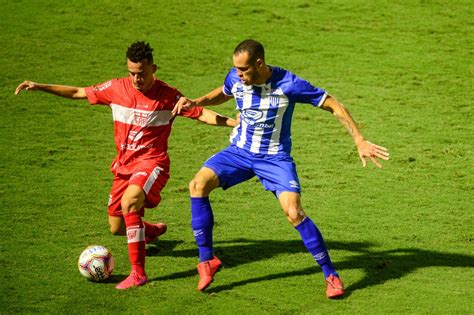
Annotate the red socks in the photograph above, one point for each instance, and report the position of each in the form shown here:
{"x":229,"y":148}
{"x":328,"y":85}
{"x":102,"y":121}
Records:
{"x":136,"y":241}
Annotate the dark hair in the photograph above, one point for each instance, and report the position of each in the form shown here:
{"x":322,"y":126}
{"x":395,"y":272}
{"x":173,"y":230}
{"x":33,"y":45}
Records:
{"x":140,"y":51}
{"x":254,"y":49}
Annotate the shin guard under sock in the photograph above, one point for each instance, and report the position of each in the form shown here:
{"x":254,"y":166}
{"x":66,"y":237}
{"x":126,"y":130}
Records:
{"x":314,"y":242}
{"x":136,"y":241}
{"x":202,"y":222}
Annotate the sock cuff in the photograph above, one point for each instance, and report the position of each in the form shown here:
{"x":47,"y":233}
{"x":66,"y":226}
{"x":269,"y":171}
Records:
{"x":133,"y":219}
{"x":199,"y":199}
{"x":303,"y":223}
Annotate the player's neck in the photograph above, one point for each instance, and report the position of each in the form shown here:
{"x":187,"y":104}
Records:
{"x":264,"y":75}
{"x":149,"y":87}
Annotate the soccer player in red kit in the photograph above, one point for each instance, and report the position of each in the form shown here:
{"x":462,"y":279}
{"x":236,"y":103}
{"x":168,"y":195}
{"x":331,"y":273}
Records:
{"x":142,"y":112}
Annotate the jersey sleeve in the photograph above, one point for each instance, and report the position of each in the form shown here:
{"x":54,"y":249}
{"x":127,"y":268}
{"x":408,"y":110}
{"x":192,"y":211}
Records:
{"x":193,"y":113}
{"x":304,"y":92}
{"x":229,"y":82}
{"x":101,"y":93}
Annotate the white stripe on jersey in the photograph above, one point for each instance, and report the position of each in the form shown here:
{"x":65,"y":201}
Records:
{"x":258,"y":132}
{"x":269,"y":101}
{"x":140,"y":117}
{"x":246,"y":103}
{"x":275,"y":139}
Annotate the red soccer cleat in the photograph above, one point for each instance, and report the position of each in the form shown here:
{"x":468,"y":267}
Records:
{"x":160,"y":230}
{"x":334,"y":287}
{"x":207,"y":270}
{"x":133,"y":280}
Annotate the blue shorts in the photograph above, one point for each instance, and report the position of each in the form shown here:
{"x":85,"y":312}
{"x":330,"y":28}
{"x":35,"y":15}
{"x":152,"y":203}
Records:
{"x":233,"y":166}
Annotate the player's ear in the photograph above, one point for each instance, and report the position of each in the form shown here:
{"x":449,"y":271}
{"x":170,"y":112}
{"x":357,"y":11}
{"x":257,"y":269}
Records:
{"x":259,"y":63}
{"x":155,"y":67}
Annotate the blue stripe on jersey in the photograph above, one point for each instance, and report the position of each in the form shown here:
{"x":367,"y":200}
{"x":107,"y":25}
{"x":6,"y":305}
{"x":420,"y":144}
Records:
{"x":267,"y":137}
{"x":286,"y":129}
{"x":253,"y":131}
{"x":266,"y":110}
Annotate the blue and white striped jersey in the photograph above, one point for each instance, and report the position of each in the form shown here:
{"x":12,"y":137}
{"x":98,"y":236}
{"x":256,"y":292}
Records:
{"x":266,"y":110}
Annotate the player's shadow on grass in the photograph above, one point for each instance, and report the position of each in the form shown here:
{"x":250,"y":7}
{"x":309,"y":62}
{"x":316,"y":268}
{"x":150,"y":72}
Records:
{"x":378,"y":266}
{"x":167,"y":246}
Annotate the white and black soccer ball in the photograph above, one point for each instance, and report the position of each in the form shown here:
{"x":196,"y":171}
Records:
{"x":96,"y":263}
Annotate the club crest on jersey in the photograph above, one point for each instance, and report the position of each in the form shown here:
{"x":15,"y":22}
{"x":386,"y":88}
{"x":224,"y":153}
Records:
{"x":274,"y":101}
{"x":141,"y":118}
{"x":275,"y":97}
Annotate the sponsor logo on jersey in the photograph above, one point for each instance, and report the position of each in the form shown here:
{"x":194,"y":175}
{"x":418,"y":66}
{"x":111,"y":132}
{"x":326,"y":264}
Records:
{"x":277,"y":92}
{"x":134,"y":147}
{"x":102,"y":87}
{"x":263,"y":125}
{"x":252,"y":114}
{"x":135,"y":135}
{"x":251,"y":117}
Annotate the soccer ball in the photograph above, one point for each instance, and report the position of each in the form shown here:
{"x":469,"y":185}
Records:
{"x":96,"y":263}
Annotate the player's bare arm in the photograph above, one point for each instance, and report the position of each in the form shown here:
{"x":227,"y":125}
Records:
{"x":59,"y":90}
{"x":214,"y":119}
{"x":215,"y":97}
{"x":365,"y":148}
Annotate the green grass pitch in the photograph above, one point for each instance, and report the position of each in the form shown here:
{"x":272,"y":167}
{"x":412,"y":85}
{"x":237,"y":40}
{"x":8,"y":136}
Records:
{"x":400,"y":237}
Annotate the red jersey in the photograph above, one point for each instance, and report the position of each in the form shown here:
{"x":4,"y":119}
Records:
{"x":142,"y":122}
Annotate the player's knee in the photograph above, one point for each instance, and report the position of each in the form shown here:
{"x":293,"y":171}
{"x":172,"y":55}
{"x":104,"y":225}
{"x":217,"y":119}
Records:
{"x":295,"y":215}
{"x":198,"y":187}
{"x":116,"y":229}
{"x":133,"y":199}
{"x":129,"y":205}
{"x":113,"y":230}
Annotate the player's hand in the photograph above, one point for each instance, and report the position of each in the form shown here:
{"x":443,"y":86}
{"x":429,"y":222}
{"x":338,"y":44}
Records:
{"x":372,"y":151}
{"x":183,"y":103}
{"x":28,"y":85}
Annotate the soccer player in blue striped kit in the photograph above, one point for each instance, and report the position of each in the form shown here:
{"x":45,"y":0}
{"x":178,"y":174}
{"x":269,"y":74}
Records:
{"x":260,"y":146}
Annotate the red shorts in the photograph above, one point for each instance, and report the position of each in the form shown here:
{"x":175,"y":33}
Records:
{"x":152,"y":180}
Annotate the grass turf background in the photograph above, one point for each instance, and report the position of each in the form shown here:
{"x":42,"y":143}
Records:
{"x":401,"y":237}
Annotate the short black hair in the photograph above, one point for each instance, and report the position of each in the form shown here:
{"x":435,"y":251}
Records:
{"x":254,"y":49}
{"x":139,"y":51}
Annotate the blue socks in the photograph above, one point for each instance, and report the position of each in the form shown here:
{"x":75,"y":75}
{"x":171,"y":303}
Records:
{"x":202,"y":222}
{"x":314,"y":242}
